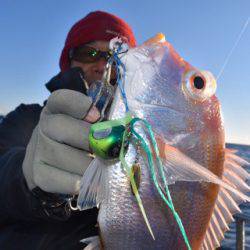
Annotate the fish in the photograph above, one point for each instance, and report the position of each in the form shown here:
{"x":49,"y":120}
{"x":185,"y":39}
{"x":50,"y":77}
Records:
{"x":207,"y":182}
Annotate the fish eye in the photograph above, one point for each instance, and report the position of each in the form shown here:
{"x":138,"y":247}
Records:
{"x":198,"y":85}
{"x":199,"y":82}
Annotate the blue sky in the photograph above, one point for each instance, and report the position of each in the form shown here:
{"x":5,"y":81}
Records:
{"x":33,"y":34}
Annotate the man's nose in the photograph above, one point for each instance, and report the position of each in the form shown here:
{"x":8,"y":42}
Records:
{"x":101,"y":64}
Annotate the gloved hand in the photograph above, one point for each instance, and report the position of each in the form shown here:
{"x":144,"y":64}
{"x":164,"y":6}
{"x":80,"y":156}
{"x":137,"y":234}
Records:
{"x":57,"y":154}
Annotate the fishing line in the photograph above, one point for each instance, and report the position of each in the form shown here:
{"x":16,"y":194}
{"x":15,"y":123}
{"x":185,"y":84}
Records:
{"x":233,"y":48}
{"x":120,"y":78}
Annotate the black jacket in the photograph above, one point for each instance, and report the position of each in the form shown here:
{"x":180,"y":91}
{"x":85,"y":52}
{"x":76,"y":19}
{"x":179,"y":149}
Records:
{"x":27,"y":219}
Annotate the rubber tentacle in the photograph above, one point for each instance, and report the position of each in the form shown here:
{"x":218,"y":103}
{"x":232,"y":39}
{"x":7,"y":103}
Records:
{"x":151,"y":166}
{"x":134,"y":187}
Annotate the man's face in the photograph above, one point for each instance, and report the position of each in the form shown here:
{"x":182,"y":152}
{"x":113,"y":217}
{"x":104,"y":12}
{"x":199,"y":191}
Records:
{"x":93,"y":71}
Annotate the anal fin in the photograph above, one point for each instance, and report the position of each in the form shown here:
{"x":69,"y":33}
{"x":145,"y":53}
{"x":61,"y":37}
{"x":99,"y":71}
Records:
{"x":227,"y":203}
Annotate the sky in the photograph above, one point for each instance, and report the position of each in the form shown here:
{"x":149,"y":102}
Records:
{"x":203,"y":33}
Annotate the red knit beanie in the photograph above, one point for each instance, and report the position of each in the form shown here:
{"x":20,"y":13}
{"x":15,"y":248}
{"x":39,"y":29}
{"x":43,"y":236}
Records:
{"x":95,"y":26}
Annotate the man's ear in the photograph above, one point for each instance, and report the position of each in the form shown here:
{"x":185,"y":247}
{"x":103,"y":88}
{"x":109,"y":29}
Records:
{"x":74,"y":64}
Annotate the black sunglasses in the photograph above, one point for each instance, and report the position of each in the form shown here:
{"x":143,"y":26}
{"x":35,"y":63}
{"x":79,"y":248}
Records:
{"x":88,"y":54}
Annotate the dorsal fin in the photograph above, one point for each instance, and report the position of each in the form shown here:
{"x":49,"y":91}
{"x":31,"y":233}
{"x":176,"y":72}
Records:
{"x":227,"y":203}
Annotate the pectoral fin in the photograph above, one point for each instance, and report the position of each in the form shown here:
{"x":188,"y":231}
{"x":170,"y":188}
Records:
{"x":180,"y":167}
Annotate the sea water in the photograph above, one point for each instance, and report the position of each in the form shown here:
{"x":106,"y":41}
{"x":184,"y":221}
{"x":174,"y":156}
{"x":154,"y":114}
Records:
{"x":229,"y":242}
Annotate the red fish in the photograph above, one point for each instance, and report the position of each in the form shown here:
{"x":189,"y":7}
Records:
{"x":206,"y":181}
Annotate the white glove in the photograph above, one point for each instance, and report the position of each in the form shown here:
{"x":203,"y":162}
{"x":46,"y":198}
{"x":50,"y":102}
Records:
{"x":56,"y":156}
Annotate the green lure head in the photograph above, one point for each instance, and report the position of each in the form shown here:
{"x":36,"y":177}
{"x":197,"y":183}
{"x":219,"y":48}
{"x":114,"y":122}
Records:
{"x":105,"y":138}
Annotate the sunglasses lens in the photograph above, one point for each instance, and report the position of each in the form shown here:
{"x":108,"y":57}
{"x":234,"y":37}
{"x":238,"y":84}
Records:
{"x":92,"y":53}
{"x":86,"y":54}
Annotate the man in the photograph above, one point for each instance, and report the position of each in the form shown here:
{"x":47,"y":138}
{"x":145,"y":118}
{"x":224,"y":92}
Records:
{"x":44,"y":150}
